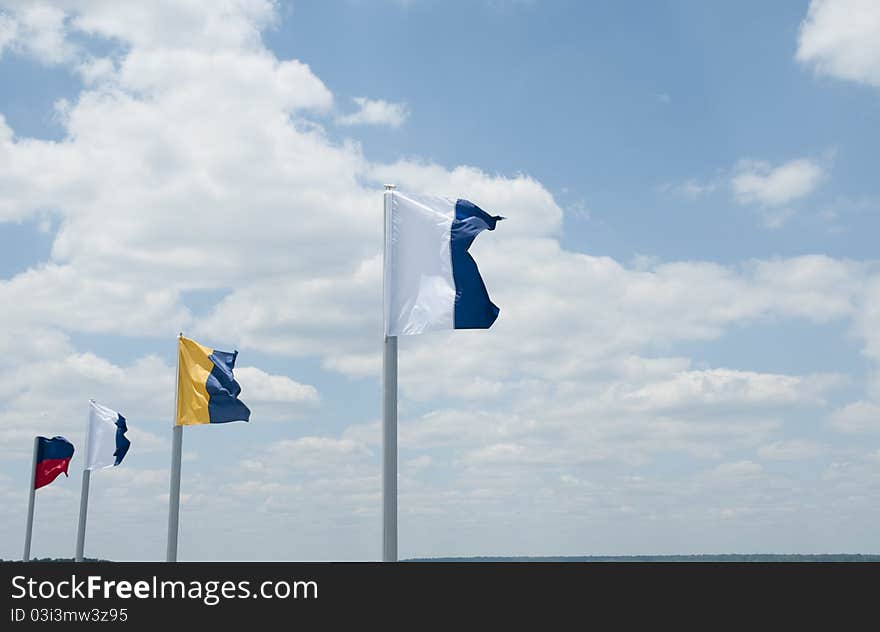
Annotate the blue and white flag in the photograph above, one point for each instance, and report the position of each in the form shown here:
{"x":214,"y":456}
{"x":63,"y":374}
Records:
{"x":106,"y":443}
{"x":431,"y":281}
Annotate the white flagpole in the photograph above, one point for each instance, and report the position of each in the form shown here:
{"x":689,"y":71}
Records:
{"x":176,"y":450}
{"x":389,"y":422}
{"x":83,"y":509}
{"x":32,"y":494}
{"x":84,"y":495}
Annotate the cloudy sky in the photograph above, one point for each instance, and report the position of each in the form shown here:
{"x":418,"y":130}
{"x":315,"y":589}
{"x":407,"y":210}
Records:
{"x":687,"y":355}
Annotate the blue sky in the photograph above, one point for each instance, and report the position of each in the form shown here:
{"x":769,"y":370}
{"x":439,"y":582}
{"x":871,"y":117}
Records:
{"x":604,"y":103}
{"x":686,"y":358}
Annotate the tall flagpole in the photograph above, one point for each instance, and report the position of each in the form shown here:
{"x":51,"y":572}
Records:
{"x":389,"y":421}
{"x":176,"y":450}
{"x":83,"y":509}
{"x":84,"y":496}
{"x":30,"y":516}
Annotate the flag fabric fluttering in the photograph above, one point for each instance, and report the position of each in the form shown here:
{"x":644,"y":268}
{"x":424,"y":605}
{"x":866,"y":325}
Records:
{"x":207,"y":392}
{"x":53,"y":458}
{"x":431,"y":281}
{"x":107,"y":444}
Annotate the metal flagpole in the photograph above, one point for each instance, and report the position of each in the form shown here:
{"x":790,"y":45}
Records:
{"x":176,"y":450}
{"x":83,"y":509}
{"x":30,"y":516}
{"x":84,"y":495}
{"x":389,"y":422}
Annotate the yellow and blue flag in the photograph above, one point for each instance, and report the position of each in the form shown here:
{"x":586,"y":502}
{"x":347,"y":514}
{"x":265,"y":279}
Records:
{"x":207,"y":392}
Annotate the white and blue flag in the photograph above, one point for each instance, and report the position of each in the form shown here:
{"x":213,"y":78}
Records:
{"x":431,"y":281}
{"x":106,"y":444}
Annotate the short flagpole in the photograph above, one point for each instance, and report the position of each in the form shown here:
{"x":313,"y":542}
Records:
{"x":389,"y":424}
{"x":174,"y":493}
{"x":31,"y":496}
{"x":84,"y":495}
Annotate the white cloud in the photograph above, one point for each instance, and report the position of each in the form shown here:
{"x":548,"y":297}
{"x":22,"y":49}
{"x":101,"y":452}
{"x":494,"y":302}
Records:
{"x":320,"y":456}
{"x":841,"y":38}
{"x":274,"y":397}
{"x":37,"y":30}
{"x":497,"y":453}
{"x":776,"y":217}
{"x":758,"y":182}
{"x":691,"y":188}
{"x":857,"y":418}
{"x":867,"y":322}
{"x":63,"y":295}
{"x":375,"y":112}
{"x":791,"y":450}
{"x":309,"y":451}
{"x":176,"y":24}
{"x":8,"y":30}
{"x":264,"y":387}
{"x":418,"y":463}
{"x":773,"y":189}
{"x":548,"y":291}
{"x":735,"y":470}
{"x":95,"y":70}
{"x":690,"y":389}
{"x":195,"y":160}
{"x":48,"y":393}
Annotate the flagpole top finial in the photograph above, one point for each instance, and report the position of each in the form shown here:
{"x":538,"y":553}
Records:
{"x":390,"y":187}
